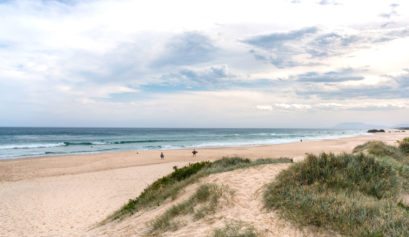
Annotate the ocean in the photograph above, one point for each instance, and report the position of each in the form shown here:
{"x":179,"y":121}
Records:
{"x":37,"y":142}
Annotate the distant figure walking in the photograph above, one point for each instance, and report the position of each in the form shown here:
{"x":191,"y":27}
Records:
{"x":162,"y":156}
{"x":300,"y":140}
{"x":194,"y":152}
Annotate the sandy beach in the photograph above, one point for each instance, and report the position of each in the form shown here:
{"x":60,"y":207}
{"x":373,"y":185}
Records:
{"x":68,"y":195}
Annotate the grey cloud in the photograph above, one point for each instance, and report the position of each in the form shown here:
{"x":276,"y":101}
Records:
{"x":282,"y":49}
{"x":281,"y":59}
{"x":277,"y":48}
{"x":397,"y":87}
{"x":389,"y":35}
{"x":277,"y":40}
{"x":403,"y":80}
{"x":392,"y":11}
{"x":342,"y":75}
{"x":187,"y":49}
{"x":330,"y":44}
{"x":214,"y":77}
{"x":205,"y":77}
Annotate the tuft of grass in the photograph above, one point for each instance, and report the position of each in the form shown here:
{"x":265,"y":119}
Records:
{"x":203,"y":202}
{"x":353,"y":194}
{"x":171,"y":185}
{"x":235,"y":229}
{"x":404,"y":145}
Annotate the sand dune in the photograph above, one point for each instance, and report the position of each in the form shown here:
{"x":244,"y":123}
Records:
{"x":246,"y":206}
{"x":67,"y":196}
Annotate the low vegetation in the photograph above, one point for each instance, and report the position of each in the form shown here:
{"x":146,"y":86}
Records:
{"x":404,"y":145}
{"x":203,"y":202}
{"x":236,"y":229}
{"x":170,"y":186}
{"x":353,"y":194}
{"x":396,"y":157}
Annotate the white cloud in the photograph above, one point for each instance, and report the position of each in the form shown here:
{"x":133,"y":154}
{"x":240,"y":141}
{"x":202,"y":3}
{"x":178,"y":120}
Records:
{"x":265,"y":107}
{"x":293,"y":106}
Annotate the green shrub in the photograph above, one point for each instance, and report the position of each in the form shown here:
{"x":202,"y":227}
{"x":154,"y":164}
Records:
{"x":355,"y":195}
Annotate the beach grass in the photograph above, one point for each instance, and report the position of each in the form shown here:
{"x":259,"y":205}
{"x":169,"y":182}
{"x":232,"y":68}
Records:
{"x":236,"y":229}
{"x":404,"y":145}
{"x":168,"y":187}
{"x":390,"y":155}
{"x":203,"y":202}
{"x":352,"y":194}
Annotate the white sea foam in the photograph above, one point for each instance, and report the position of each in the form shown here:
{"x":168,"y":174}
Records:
{"x":29,"y":146}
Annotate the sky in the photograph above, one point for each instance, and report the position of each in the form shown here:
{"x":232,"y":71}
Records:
{"x":184,"y":63}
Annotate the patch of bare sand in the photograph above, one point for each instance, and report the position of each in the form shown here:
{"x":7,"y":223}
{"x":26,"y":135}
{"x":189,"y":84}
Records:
{"x":70,"y":205}
{"x":246,"y":206}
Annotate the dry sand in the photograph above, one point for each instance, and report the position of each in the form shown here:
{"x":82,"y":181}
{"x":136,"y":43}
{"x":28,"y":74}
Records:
{"x":68,"y":195}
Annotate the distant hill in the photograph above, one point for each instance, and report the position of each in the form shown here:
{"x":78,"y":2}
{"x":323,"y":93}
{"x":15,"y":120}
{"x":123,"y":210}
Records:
{"x":402,"y":127}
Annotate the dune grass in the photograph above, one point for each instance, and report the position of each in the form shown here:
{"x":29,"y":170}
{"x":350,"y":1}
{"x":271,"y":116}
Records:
{"x":203,"y":202}
{"x":390,"y":155}
{"x":168,"y":187}
{"x":352,"y":194}
{"x":404,"y":145}
{"x":236,"y":229}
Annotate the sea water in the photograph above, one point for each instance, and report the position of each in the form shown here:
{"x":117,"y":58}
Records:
{"x":36,"y":142}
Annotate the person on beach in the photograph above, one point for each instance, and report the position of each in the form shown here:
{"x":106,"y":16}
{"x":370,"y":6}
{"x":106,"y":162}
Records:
{"x":162,"y":156}
{"x":194,"y":152}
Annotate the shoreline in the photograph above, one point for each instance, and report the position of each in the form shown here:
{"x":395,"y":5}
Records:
{"x":54,"y":156}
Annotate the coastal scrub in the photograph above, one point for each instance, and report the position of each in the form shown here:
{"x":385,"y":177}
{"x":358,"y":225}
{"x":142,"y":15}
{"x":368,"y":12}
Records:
{"x":352,"y":194}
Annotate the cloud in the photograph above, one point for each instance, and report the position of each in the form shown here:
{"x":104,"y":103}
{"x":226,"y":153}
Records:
{"x":186,"y":49}
{"x":330,"y":44}
{"x":392,"y":11}
{"x":312,"y":46}
{"x":276,"y":41}
{"x":264,"y":107}
{"x":393,"y":87}
{"x":302,"y":47}
{"x":328,"y":2}
{"x":347,"y":74}
{"x":292,"y":106}
{"x":321,"y":2}
{"x":278,"y":48}
{"x":215,"y":77}
{"x":194,"y":79}
{"x":336,"y":106}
